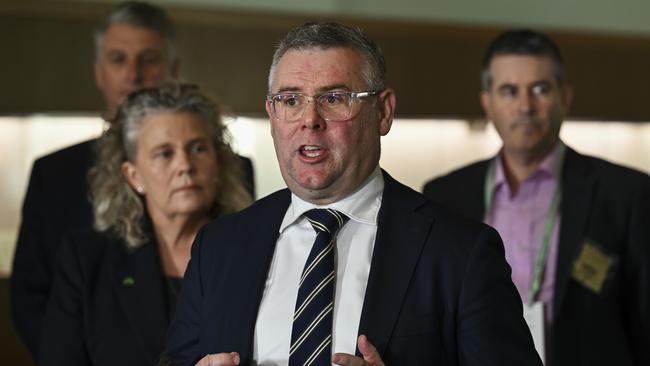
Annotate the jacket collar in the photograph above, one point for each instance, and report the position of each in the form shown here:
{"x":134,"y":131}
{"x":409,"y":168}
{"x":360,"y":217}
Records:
{"x":578,"y":187}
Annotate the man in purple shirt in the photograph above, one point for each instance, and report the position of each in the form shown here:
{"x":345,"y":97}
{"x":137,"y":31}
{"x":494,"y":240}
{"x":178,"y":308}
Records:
{"x":575,"y":228}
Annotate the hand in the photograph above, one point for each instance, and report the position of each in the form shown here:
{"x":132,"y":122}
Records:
{"x":369,"y":352}
{"x":220,"y":359}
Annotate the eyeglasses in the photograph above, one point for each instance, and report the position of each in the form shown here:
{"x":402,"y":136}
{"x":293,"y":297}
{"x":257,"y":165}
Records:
{"x":334,"y":106}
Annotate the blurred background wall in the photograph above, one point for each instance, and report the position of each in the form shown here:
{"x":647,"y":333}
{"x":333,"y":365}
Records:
{"x":433,"y":49}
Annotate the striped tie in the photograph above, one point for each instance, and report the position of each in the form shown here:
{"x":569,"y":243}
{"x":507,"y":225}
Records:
{"x":311,"y":336}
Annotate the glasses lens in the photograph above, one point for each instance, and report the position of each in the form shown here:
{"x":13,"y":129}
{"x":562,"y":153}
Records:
{"x":334,"y":106}
{"x":288,"y":107}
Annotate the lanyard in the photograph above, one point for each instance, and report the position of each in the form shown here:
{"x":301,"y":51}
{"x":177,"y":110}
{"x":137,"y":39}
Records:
{"x":549,"y":222}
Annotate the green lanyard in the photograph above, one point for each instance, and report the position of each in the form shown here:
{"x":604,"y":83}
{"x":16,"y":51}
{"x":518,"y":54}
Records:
{"x":551,"y":216}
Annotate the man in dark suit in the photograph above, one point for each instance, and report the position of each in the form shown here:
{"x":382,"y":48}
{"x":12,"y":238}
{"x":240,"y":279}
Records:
{"x":575,"y":227}
{"x":405,"y":283}
{"x":134,"y":50}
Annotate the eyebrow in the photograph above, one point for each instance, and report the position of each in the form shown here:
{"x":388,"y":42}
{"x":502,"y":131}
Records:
{"x":543,"y":81}
{"x":120,"y":51}
{"x":322,"y":89}
{"x":506,"y":86}
{"x":151,"y":50}
{"x":188,"y":143}
{"x":199,"y":139}
{"x":156,"y":148}
{"x":538,"y":81}
{"x":114,"y":51}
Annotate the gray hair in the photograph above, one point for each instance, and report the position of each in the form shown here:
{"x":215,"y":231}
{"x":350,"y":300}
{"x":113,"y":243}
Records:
{"x":143,"y":15}
{"x":522,"y":42}
{"x":116,"y":205}
{"x":325,"y":35}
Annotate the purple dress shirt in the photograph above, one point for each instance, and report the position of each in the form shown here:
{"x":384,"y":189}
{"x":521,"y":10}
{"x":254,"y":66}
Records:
{"x":520,"y":218}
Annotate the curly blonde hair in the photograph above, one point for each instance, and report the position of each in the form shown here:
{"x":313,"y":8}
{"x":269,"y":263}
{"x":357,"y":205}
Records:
{"x":116,"y":205}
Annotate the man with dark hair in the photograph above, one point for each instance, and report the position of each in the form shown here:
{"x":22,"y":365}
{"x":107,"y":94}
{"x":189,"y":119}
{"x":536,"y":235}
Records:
{"x":575,"y":227}
{"x":347,"y":265}
{"x":134,"y":50}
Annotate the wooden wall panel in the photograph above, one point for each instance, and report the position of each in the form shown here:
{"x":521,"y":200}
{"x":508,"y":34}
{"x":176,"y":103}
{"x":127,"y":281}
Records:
{"x":48,"y":52}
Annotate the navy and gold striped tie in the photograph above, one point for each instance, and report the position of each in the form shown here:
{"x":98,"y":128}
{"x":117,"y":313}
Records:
{"x":311,"y":335}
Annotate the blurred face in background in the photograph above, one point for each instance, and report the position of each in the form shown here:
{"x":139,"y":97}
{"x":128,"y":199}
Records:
{"x":130,"y":58}
{"x":175,"y":166}
{"x":526,"y":103}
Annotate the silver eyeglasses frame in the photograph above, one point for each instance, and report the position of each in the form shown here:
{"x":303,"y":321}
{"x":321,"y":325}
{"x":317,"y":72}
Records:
{"x":353,"y":98}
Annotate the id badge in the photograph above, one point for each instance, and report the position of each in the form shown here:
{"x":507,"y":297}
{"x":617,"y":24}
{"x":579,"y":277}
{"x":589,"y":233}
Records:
{"x":534,"y":317}
{"x":592,"y":266}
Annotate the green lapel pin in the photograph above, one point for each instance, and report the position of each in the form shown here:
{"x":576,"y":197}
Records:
{"x":128,"y":281}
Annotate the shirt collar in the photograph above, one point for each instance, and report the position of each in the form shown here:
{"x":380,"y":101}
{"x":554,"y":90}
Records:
{"x":547,"y":167}
{"x":361,"y":206}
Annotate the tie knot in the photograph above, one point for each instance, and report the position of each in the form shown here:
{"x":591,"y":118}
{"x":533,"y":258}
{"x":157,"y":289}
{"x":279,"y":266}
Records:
{"x":326,"y":220}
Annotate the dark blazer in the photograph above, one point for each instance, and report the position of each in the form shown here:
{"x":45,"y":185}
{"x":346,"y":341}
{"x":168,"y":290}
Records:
{"x":439,"y":289}
{"x":603,"y":203}
{"x":56,"y":202}
{"x":108,"y":305}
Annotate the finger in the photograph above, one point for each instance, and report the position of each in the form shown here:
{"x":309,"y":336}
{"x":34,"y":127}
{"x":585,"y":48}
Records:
{"x":345,"y":359}
{"x":220,"y":359}
{"x":369,"y":352}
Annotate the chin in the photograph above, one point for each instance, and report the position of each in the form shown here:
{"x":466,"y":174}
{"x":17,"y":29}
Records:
{"x":314,"y":183}
{"x":193,"y":206}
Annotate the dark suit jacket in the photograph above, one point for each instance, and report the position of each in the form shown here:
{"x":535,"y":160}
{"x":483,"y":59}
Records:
{"x":95,"y":315}
{"x":56,"y":202}
{"x":606,"y":204}
{"x":439,"y":289}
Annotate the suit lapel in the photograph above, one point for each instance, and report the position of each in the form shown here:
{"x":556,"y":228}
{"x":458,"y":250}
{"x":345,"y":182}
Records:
{"x":245,"y":294}
{"x":139,"y":288}
{"x":474,"y":196}
{"x":401,"y":235}
{"x":577,"y":190}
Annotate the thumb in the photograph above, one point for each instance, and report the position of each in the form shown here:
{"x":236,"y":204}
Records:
{"x":368,"y":351}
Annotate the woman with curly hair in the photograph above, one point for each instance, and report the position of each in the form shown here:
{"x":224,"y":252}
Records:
{"x":163,"y":170}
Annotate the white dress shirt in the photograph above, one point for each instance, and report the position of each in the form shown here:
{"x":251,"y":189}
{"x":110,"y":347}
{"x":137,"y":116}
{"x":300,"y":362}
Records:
{"x":354,"y":246}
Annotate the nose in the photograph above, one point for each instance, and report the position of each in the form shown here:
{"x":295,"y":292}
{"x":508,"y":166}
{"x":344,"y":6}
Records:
{"x":184,"y":164}
{"x":527,"y":103}
{"x":311,"y":117}
{"x":134,"y":72}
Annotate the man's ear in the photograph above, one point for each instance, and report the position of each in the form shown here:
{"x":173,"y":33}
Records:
{"x":486,"y":98}
{"x":99,"y":78}
{"x":567,"y":97}
{"x":388,"y":103}
{"x":269,"y":109}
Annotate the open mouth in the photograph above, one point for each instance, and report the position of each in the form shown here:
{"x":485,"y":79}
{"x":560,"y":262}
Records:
{"x":311,"y":151}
